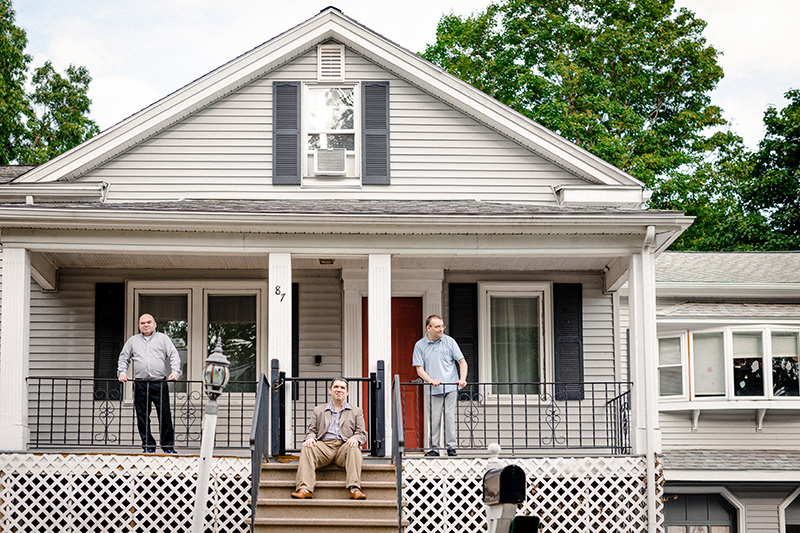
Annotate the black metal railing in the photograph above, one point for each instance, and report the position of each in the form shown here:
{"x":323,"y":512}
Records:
{"x":87,"y":412}
{"x":527,"y":416}
{"x":303,"y":394}
{"x":259,"y":442}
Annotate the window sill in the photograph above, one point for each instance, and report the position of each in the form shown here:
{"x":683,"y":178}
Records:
{"x":758,"y":407}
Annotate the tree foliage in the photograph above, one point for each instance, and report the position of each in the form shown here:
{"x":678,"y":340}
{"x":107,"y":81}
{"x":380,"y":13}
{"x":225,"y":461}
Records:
{"x":627,"y":80}
{"x":774,"y":189}
{"x":51,"y":119}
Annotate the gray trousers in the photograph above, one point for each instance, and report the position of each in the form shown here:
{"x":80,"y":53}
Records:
{"x":446,"y":403}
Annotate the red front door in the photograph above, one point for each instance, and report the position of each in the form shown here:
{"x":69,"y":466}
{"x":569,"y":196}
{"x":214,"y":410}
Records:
{"x":406,"y":331}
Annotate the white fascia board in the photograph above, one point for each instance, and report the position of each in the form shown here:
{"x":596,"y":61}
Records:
{"x":727,"y":290}
{"x":330,"y":24}
{"x":730,"y":476}
{"x":610,"y":195}
{"x":31,"y":192}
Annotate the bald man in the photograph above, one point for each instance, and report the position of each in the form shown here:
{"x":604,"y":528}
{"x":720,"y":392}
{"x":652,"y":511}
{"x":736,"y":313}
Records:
{"x":150,"y":351}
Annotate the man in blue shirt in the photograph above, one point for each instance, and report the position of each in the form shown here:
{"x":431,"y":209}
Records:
{"x":440,"y":363}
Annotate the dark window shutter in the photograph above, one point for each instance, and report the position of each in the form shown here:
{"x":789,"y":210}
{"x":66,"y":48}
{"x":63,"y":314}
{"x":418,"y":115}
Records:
{"x":463,"y":327}
{"x":109,"y":329}
{"x":375,"y":133}
{"x":286,"y":133}
{"x":568,"y":332}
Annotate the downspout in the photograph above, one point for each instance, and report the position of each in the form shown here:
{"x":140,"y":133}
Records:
{"x":651,"y":402}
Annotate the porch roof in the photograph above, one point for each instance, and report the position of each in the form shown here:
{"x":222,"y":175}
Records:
{"x":731,"y":465}
{"x":436,"y":207}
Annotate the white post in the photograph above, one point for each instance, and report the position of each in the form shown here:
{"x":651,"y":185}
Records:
{"x":204,"y":466}
{"x":379,"y":309}
{"x":15,"y":350}
{"x":279,"y":295}
{"x":644,"y":366}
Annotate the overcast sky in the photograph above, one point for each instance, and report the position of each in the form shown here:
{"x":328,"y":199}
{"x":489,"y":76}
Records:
{"x":138,"y":51}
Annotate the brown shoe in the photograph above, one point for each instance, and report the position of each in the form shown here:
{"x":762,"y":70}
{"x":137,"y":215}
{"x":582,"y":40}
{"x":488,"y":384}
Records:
{"x":356,"y":494}
{"x":302,"y":494}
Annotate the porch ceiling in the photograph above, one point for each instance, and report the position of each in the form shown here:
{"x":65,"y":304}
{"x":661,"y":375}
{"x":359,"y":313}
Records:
{"x":261,"y":262}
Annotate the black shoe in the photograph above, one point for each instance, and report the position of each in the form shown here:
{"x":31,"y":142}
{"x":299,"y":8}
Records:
{"x":451,"y":452}
{"x":169,"y":450}
{"x":432,"y":453}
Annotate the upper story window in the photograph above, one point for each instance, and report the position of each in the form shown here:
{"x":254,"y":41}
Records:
{"x":759,"y":362}
{"x":330,"y":133}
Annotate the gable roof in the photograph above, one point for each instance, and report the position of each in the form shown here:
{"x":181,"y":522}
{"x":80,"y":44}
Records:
{"x":728,"y":267}
{"x":329,"y":24}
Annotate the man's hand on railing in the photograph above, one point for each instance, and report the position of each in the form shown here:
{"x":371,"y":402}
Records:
{"x":123,"y":378}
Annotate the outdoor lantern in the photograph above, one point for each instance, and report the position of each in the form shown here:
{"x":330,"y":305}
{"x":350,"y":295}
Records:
{"x":217,"y":373}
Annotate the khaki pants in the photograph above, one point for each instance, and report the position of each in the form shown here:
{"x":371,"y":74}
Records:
{"x":324,"y":453}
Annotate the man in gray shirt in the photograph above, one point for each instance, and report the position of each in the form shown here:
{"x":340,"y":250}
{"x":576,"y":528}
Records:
{"x":149,"y":351}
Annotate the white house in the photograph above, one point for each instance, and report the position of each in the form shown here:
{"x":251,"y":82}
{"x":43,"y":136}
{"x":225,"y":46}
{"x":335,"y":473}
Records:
{"x":311,"y":202}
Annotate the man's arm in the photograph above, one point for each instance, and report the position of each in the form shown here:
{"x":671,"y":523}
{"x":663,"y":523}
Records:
{"x":174,"y":359}
{"x":124,"y":361}
{"x":462,"y":371}
{"x":426,"y":378}
{"x":310,"y":438}
{"x":360,"y":435}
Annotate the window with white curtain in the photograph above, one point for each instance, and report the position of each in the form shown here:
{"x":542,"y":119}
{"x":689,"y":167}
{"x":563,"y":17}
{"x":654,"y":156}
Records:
{"x":512,"y":317}
{"x":670,"y":366}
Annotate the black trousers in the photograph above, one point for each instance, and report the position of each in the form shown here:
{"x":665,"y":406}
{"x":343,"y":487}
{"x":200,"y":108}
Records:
{"x":145,"y":395}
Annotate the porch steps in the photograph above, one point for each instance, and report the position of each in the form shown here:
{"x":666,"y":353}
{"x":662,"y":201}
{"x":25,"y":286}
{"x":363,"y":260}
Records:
{"x":331,"y":509}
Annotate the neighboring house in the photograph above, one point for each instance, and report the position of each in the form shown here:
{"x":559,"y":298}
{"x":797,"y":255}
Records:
{"x":311,"y":202}
{"x":729,"y":340}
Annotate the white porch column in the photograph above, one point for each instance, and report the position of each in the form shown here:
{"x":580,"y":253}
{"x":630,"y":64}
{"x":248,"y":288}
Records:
{"x":379,"y":310}
{"x":15,"y":350}
{"x":646,"y":436}
{"x":279,"y":295}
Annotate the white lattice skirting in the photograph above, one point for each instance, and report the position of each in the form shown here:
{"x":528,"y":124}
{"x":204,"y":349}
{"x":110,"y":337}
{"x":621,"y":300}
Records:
{"x":569,"y":495}
{"x":120,"y":493}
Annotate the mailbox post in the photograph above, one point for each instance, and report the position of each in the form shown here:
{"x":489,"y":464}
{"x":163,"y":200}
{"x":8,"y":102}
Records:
{"x":504,"y":489}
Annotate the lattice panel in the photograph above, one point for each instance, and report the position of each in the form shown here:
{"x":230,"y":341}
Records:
{"x":120,"y":493}
{"x":580,"y":494}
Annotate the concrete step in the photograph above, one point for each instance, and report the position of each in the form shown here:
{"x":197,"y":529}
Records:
{"x":342,"y":508}
{"x":329,"y":525}
{"x":369,"y":472}
{"x":327,"y":490}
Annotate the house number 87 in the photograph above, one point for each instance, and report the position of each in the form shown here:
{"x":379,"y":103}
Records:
{"x":279,"y":293}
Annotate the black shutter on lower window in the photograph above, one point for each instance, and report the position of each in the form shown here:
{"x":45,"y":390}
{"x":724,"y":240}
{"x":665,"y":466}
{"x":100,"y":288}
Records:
{"x":109,"y":330}
{"x":568,"y":333}
{"x":463,"y":327}
{"x":375,"y":133}
{"x":286,"y":133}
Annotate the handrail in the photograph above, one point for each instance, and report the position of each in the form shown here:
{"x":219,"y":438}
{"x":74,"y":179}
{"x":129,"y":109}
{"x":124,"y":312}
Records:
{"x":398,"y":445}
{"x":259,"y":442}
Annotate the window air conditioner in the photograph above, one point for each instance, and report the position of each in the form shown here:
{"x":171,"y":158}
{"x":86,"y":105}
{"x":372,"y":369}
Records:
{"x":331,"y":162}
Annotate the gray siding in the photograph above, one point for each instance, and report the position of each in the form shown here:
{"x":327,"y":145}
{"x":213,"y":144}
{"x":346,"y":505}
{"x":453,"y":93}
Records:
{"x":225,"y":150}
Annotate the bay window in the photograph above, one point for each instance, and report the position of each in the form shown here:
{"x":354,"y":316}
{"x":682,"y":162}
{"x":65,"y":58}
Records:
{"x":756,"y":362}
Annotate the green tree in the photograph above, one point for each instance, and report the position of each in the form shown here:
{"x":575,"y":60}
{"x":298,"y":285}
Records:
{"x":774,"y":189}
{"x":59,"y":118}
{"x":53,"y":118}
{"x":13,"y":73}
{"x":627,"y":80}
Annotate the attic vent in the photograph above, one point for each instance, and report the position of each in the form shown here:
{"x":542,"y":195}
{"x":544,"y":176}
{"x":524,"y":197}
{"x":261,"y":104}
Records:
{"x":332,"y":162}
{"x":330,"y":62}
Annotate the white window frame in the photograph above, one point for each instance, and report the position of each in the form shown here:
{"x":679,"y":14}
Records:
{"x":197,"y":290}
{"x":687,"y":347}
{"x":310,"y":179}
{"x":486,"y":290}
{"x":684,"y":364}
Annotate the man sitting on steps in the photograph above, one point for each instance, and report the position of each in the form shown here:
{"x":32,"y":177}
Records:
{"x":336,"y":432}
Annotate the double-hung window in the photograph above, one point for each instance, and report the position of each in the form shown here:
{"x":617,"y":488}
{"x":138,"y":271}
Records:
{"x":330,"y":131}
{"x":515,"y":321}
